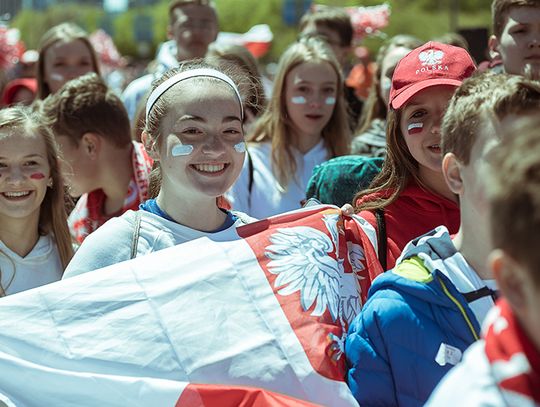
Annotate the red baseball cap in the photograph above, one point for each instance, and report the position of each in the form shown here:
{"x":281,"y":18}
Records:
{"x":429,"y":65}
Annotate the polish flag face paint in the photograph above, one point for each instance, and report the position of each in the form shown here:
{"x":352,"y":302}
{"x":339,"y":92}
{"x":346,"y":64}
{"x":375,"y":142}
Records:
{"x":181,"y":150}
{"x":37,"y":175}
{"x":240,"y":147}
{"x":298,"y":100}
{"x":330,"y":100}
{"x":414,"y":128}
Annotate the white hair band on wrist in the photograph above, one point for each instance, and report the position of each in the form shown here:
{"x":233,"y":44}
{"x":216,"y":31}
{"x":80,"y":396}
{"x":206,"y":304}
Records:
{"x":182,"y":76}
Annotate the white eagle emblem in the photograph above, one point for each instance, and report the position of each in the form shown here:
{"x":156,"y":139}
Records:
{"x":299,"y":256}
{"x":431,"y":57}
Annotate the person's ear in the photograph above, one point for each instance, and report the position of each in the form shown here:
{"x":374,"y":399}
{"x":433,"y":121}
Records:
{"x":149,"y":145}
{"x":509,"y":276}
{"x":91,"y":144}
{"x":451,"y":168}
{"x":170,"y":35}
{"x":493,"y":46}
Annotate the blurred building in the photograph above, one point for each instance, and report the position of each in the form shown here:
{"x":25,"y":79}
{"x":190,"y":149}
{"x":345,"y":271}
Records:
{"x":9,"y":8}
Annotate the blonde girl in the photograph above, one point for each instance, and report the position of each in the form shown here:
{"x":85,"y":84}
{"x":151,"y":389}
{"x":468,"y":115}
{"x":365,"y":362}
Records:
{"x":304,"y":124}
{"x":65,"y":53}
{"x":35,"y":244}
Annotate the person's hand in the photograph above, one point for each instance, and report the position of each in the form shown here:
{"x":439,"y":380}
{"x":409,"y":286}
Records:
{"x":347,"y":210}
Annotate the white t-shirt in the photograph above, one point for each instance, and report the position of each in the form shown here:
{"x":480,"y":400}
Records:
{"x":267,"y":198}
{"x":111,"y":243}
{"x":39,"y":267}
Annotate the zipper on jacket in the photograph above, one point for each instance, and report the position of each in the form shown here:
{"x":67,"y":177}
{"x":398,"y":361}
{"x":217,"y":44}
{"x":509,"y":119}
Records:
{"x":455,"y":301}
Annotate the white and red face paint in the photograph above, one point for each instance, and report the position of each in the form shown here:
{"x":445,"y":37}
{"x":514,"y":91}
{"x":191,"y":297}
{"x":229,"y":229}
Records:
{"x":415,"y":128}
{"x":186,"y":149}
{"x":181,"y":149}
{"x":240,"y":147}
{"x":37,"y":175}
{"x":301,"y":100}
{"x":57,"y":77}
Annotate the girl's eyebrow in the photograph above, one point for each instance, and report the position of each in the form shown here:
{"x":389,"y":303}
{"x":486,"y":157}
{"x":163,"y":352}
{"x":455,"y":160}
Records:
{"x":203,"y":120}
{"x":414,"y":104}
{"x":231,"y":119}
{"x":26,"y":156}
{"x":302,"y":81}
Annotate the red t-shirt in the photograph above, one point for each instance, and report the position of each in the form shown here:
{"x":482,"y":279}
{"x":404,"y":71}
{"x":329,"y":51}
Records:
{"x":89,"y":213}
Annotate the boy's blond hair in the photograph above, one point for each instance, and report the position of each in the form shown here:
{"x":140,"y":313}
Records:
{"x":500,"y":9}
{"x":514,"y":193}
{"x":479,"y":97}
{"x":85,"y":104}
{"x":334,"y":19}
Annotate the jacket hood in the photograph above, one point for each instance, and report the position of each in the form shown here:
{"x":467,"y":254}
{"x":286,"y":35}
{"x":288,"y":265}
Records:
{"x":418,"y":269}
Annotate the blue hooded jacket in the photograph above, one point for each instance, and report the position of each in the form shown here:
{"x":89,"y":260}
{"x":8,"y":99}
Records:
{"x":412,"y":312}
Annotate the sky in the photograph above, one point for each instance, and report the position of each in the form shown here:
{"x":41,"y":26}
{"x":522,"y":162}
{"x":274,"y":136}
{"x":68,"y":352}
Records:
{"x":113,"y":6}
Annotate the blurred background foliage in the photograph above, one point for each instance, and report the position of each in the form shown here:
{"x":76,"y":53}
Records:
{"x":424,"y":18}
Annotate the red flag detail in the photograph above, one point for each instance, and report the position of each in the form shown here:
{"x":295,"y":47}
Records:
{"x":211,"y":395}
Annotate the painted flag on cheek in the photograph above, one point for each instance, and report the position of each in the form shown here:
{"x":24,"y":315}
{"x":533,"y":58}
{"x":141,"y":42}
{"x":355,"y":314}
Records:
{"x":254,"y":317}
{"x":414,"y":128}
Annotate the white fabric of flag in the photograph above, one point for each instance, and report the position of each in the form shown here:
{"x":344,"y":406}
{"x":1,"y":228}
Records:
{"x":137,"y":333}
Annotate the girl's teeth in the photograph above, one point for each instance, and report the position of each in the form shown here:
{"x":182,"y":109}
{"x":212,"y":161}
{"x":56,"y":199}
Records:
{"x":209,"y":167}
{"x":16,"y":194}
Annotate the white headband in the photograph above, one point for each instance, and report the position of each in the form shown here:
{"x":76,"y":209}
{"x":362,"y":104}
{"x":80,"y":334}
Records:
{"x":212,"y":73}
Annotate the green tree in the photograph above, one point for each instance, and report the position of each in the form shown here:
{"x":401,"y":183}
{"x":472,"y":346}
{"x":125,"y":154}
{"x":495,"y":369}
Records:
{"x":424,"y":18}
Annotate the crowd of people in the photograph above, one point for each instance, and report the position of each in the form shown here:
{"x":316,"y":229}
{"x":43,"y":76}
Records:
{"x":442,"y":160}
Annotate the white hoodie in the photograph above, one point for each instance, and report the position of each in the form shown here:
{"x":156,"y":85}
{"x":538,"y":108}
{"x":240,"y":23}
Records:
{"x":39,"y":267}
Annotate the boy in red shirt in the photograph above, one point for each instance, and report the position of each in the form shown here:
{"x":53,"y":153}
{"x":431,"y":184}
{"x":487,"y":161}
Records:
{"x":106,"y":169}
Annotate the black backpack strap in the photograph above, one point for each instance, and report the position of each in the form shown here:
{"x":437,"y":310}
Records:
{"x":136,"y":232}
{"x":482,"y":292}
{"x":381,"y":236}
{"x":250,"y":179}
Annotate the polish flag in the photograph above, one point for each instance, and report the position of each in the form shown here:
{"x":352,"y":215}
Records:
{"x":259,"y":319}
{"x":257,"y":39}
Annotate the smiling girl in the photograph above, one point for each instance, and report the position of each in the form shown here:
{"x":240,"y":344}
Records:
{"x":65,"y":53}
{"x":194,"y":134}
{"x":35,"y":244}
{"x":304,"y":124}
{"x":410,"y":196}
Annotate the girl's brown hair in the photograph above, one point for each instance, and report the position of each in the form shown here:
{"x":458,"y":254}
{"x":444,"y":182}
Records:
{"x":398,"y":169}
{"x":65,"y":32}
{"x":52,"y":214}
{"x":275,"y":125}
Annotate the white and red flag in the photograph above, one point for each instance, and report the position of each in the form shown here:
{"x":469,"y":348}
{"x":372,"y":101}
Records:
{"x":259,"y":320}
